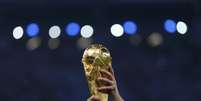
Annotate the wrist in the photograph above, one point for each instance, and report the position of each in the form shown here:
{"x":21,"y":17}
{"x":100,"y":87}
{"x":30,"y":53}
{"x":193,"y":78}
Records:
{"x":115,"y":92}
{"x":116,"y":95}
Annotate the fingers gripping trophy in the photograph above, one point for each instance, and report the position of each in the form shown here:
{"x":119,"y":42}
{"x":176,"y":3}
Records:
{"x":95,"y":58}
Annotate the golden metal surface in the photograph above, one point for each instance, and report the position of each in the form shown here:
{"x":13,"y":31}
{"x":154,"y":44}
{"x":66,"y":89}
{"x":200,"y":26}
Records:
{"x":95,"y":58}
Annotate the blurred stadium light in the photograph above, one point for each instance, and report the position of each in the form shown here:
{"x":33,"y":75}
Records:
{"x":155,"y":39}
{"x":32,"y":29}
{"x":83,"y":43}
{"x":53,"y":43}
{"x":33,"y":43}
{"x":18,"y":32}
{"x":72,"y":29}
{"x":170,"y":26}
{"x":130,"y":27}
{"x":54,"y":31}
{"x":117,"y":30}
{"x":87,"y":31}
{"x":182,"y":27}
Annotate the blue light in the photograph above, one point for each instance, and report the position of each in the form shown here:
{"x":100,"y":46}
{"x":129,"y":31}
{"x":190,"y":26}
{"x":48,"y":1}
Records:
{"x":170,"y":26}
{"x":72,"y":29}
{"x":130,"y":27}
{"x":32,"y":30}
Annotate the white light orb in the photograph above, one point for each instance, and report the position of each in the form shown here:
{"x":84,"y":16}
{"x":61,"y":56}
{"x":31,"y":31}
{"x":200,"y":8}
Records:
{"x":54,"y":32}
{"x":117,"y":30}
{"x":182,"y":27}
{"x":87,"y":31}
{"x":18,"y":32}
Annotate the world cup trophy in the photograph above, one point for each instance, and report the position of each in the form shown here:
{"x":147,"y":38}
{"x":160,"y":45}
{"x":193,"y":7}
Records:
{"x":95,"y":58}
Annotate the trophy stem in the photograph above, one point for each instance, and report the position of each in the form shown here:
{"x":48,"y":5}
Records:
{"x":93,"y":90}
{"x":103,"y":96}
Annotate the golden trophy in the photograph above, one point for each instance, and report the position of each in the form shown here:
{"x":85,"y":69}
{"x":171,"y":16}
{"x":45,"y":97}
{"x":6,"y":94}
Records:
{"x":95,"y":58}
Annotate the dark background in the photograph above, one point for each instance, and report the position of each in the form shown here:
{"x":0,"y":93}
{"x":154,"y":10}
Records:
{"x":168,"y":72}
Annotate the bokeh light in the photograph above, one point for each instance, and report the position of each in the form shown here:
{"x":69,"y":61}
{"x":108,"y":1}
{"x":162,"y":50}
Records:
{"x":155,"y":39}
{"x":54,"y":31}
{"x":87,"y":31}
{"x":32,"y":30}
{"x":130,"y":27}
{"x":18,"y":32}
{"x":33,"y":43}
{"x":182,"y":27}
{"x":53,"y":43}
{"x":83,"y":43}
{"x":170,"y":26}
{"x":135,"y":40}
{"x":72,"y":29}
{"x":117,"y":30}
